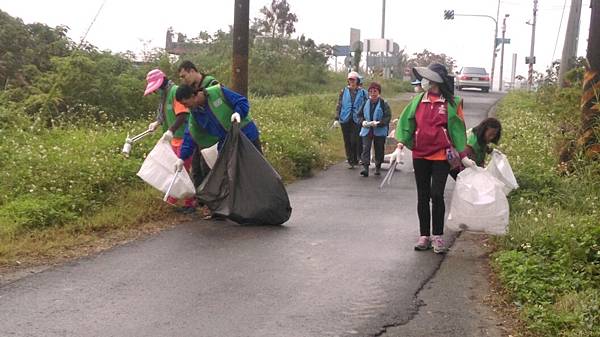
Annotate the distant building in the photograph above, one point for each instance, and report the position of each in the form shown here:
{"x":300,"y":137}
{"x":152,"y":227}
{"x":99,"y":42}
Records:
{"x":180,"y":47}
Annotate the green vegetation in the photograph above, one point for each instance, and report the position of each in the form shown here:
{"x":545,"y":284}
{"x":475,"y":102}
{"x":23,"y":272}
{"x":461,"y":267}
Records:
{"x":65,"y":175}
{"x":550,"y":260}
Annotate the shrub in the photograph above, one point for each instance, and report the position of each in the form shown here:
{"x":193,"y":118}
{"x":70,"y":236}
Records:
{"x":550,"y":259}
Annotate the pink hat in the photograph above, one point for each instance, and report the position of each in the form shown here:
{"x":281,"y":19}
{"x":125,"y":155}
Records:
{"x":155,"y":79}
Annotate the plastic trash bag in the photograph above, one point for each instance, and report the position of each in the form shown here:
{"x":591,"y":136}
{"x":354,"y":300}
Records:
{"x":243,"y":186}
{"x":501,"y":170}
{"x":158,"y":171}
{"x":405,"y":160}
{"x":210,"y":155}
{"x":478,"y":203}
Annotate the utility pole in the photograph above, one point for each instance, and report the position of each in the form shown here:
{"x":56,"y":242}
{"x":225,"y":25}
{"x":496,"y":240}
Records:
{"x":531,"y":60}
{"x":591,"y":82}
{"x":383,"y":54}
{"x":514,"y":71}
{"x":241,"y":24}
{"x":569,"y":52}
{"x":500,"y":85}
{"x":494,"y":49}
{"x":383,"y":20}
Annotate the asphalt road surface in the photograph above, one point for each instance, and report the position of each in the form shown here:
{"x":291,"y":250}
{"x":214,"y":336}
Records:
{"x":343,"y":265}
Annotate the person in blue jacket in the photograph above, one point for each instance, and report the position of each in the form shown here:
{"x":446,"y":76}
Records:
{"x":213,"y":110}
{"x":350,"y":100}
{"x":374,"y":117}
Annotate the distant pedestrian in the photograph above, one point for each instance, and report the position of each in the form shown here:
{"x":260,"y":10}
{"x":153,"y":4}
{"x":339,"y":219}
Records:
{"x":374,"y":117}
{"x":432,"y":126}
{"x":351,"y":98}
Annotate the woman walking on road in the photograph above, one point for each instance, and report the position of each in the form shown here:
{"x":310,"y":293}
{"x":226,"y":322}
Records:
{"x":351,"y":99}
{"x":433,"y":127}
{"x":374,"y":116}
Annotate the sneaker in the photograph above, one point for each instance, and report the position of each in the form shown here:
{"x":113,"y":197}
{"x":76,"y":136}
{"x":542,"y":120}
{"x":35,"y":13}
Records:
{"x":423,"y":244}
{"x":205,"y":213}
{"x":350,"y":165}
{"x":439,"y":246}
{"x":365,"y":172}
{"x":377,"y":171}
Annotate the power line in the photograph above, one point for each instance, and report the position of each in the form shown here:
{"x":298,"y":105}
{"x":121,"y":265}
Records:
{"x":559,"y":26}
{"x":91,"y":24}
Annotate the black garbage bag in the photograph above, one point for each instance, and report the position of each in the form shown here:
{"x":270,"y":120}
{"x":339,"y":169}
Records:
{"x":243,"y":186}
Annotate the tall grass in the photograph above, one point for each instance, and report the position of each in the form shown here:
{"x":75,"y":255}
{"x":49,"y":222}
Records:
{"x":74,"y":177}
{"x":550,"y":259}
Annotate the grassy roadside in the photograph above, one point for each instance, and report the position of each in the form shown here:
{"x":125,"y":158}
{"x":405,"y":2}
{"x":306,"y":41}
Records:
{"x":550,"y":260}
{"x":67,"y":191}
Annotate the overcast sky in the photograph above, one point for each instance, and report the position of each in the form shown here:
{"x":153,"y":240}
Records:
{"x":414,"y":25}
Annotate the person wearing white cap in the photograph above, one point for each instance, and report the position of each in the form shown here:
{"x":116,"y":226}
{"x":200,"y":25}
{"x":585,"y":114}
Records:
{"x":351,"y":98}
{"x":173,"y":116}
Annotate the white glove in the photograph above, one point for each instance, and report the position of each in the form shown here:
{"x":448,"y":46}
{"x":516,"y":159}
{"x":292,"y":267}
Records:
{"x":167,"y":136}
{"x":400,"y":146}
{"x":235,"y":117}
{"x":374,"y":124}
{"x":395,"y":155}
{"x":365,"y":124}
{"x":153,"y":126}
{"x":178,"y":165}
{"x":336,"y":124}
{"x":468,"y":162}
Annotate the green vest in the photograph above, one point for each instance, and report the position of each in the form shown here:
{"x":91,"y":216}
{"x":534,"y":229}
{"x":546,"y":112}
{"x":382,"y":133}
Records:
{"x":208,"y":81}
{"x":221,"y":109}
{"x":170,"y":116}
{"x":407,"y":125}
{"x":478,"y":150}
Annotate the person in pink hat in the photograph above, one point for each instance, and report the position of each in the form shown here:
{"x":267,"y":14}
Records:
{"x":173,"y":116}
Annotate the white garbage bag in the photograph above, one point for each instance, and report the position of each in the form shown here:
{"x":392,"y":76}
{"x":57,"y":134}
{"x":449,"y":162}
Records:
{"x":501,"y":170}
{"x":405,"y":160}
{"x":478,"y":203}
{"x":210,"y":155}
{"x":158,"y":171}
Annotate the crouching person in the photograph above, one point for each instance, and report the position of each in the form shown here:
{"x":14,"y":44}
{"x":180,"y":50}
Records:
{"x":213,"y":110}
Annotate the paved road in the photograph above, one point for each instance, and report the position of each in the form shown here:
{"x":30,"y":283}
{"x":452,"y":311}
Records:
{"x":342,"y":266}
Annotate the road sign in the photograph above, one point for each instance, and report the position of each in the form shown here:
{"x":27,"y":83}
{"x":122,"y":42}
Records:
{"x":449,"y":14}
{"x":499,"y":41}
{"x":341,"y":50}
{"x":528,"y":59}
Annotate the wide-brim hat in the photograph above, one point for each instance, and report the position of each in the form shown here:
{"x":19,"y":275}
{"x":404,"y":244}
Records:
{"x":424,"y":72}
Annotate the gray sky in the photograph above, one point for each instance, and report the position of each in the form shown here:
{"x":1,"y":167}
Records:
{"x":414,"y":25}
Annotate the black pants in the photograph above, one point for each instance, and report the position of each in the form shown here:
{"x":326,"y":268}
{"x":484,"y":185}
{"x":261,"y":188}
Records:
{"x":431,"y":176}
{"x":379,"y":145}
{"x":350,"y":131}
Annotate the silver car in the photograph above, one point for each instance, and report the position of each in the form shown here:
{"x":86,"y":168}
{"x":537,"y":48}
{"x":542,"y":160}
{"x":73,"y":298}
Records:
{"x":473,"y":77}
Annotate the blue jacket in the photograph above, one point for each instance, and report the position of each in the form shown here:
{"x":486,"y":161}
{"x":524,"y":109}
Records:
{"x":207,"y":120}
{"x":380,"y":113}
{"x":348,"y":108}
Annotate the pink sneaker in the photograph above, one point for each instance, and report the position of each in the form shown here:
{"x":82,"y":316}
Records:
{"x":439,"y":246}
{"x":423,"y":244}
